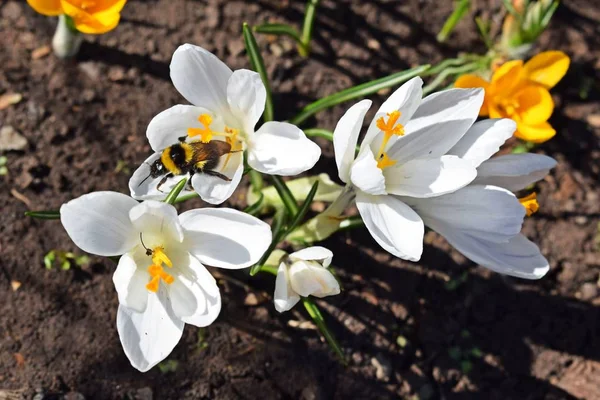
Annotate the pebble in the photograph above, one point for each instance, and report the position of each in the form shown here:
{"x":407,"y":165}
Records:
{"x":10,"y":139}
{"x":588,"y":291}
{"x":383,"y":367}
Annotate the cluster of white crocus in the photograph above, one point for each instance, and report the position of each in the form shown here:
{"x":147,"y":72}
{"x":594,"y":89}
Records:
{"x":423,"y":162}
{"x":226,"y":106}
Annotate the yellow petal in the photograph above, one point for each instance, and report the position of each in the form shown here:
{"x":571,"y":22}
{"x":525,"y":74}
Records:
{"x":535,"y":105}
{"x":507,"y":78}
{"x":110,"y":6}
{"x":547,"y":68}
{"x":535,"y":133}
{"x":93,"y":23}
{"x":46,"y":7}
{"x":473,"y":81}
{"x":496,"y":112}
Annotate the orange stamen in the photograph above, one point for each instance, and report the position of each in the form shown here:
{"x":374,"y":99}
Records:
{"x":389,"y":129}
{"x":385,"y":161}
{"x":530,"y":203}
{"x":205,"y":133}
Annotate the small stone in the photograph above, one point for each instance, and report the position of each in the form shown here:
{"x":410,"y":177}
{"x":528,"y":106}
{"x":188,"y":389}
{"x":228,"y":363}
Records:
{"x":593,"y":120}
{"x":144,"y":393}
{"x":88,"y":95}
{"x":276,"y":49}
{"x":8,"y":99}
{"x":357,"y":358}
{"x":116,"y":74}
{"x":373,"y":44}
{"x":235,"y":47}
{"x":15,"y":285}
{"x":12,"y":11}
{"x":10,"y":139}
{"x":73,"y":396}
{"x":251,"y":300}
{"x":383,"y":367}
{"x":581,"y":220}
{"x":588,"y":291}
{"x":91,"y":69}
{"x":40,"y":52}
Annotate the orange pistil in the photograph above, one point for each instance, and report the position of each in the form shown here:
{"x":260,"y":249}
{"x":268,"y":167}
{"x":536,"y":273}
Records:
{"x":205,"y":133}
{"x":530,"y":203}
{"x":389,"y":129}
{"x":157,"y":273}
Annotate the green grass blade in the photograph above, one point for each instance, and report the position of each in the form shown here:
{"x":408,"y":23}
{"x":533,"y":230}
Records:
{"x":172,"y":196}
{"x":255,"y":208}
{"x":258,"y":65}
{"x":461,"y":8}
{"x":50,"y":214}
{"x":316,"y":316}
{"x":279,"y":29}
{"x":286,"y":195}
{"x":355,"y":92}
{"x":303,"y":209}
{"x":307,"y":26}
{"x":277,"y":229}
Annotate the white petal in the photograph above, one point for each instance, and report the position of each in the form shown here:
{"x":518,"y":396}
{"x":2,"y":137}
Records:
{"x":143,"y":187}
{"x":484,"y":139}
{"x":345,"y":137}
{"x":514,"y":172}
{"x":308,"y":278}
{"x":518,"y":257}
{"x":157,"y":219}
{"x":284,"y":297}
{"x":214,"y":189}
{"x":149,"y":337}
{"x":224,"y":237}
{"x":166,"y":128}
{"x":246,"y":95}
{"x":428,"y":177}
{"x":405,"y":99}
{"x":315,"y":253}
{"x":365,"y":175}
{"x":438,"y":124}
{"x":201,"y":78}
{"x":203,"y":287}
{"x":279,"y":148}
{"x":130,"y":283}
{"x":393,"y":225}
{"x":194,"y":293}
{"x":98,"y":223}
{"x":488,"y":212}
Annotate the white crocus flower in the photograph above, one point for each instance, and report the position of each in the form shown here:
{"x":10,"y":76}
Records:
{"x":404,"y":154}
{"x":226,"y":106}
{"x":483,"y":220}
{"x":304,"y":273}
{"x":161,"y":281}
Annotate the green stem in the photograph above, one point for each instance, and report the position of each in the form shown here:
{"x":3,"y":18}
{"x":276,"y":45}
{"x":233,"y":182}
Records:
{"x":256,"y":180}
{"x":463,"y":69}
{"x":172,"y":196}
{"x":186,"y":197}
{"x":460,"y":9}
{"x":286,"y":195}
{"x":258,"y":65}
{"x":307,"y":27}
{"x":318,"y":319}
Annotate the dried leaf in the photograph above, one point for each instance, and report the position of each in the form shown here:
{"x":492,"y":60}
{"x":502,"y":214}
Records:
{"x":40,"y":52}
{"x":15,"y":285}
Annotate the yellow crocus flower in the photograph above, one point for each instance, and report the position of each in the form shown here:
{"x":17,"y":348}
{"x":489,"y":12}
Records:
{"x":89,"y":16}
{"x":520,"y":92}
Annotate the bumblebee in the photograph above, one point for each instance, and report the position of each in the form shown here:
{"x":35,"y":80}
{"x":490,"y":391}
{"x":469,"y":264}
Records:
{"x":189,"y":158}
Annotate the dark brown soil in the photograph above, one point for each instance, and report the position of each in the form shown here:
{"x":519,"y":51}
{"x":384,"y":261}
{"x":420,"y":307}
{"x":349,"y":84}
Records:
{"x":432,"y":330}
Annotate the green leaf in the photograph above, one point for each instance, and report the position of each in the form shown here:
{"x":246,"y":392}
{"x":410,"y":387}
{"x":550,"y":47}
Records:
{"x":286,"y":195}
{"x":355,"y":92}
{"x":317,"y":132}
{"x":43,"y":214}
{"x":307,"y":26}
{"x":186,"y":197}
{"x":49,"y":259}
{"x":303,"y":209}
{"x":258,"y":65}
{"x":256,"y":181}
{"x":461,"y":8}
{"x":279,"y":29}
{"x":277,"y":229}
{"x":172,"y":196}
{"x":316,"y":316}
{"x":254,"y":208}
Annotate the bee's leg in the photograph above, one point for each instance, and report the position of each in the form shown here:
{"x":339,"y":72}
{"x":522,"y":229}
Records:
{"x":217,"y":174}
{"x":162,"y":181}
{"x":188,"y":185}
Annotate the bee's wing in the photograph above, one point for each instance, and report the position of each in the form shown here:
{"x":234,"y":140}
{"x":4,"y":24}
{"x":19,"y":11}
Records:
{"x":203,"y":151}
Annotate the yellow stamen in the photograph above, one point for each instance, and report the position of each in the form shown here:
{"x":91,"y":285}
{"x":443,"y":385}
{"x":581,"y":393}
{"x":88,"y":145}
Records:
{"x":530,"y":203}
{"x":385,"y":161}
{"x":159,"y":257}
{"x":157,"y":273}
{"x":205,"y":133}
{"x":389,"y":129}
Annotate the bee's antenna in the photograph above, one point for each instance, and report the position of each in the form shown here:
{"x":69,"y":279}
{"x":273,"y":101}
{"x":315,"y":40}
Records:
{"x":148,"y":251}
